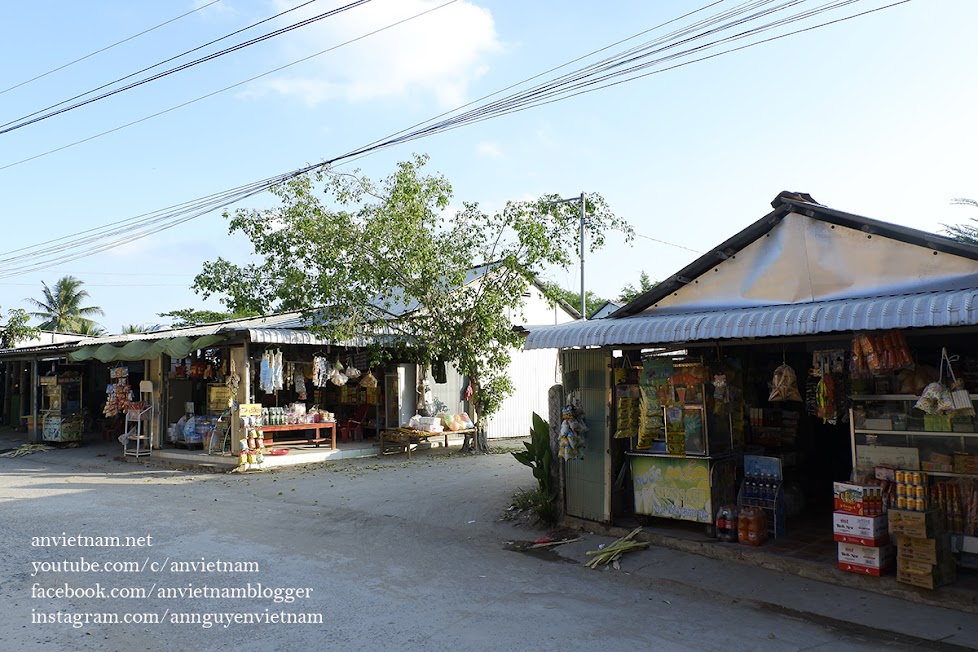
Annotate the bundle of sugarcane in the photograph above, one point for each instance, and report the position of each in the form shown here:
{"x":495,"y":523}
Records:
{"x":613,"y":551}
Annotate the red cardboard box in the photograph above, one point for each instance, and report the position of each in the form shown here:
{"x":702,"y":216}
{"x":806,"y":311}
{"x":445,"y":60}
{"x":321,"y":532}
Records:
{"x":861,"y":530}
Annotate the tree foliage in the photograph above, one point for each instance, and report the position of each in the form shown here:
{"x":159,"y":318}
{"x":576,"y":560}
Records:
{"x":629,"y":292}
{"x":386,"y":258}
{"x":191,"y":317}
{"x":60,"y":308}
{"x":964,"y":232}
{"x":16,"y":329}
{"x":573,"y":297}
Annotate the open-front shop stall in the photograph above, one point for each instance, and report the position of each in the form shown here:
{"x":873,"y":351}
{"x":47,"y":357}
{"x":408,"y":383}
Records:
{"x":854,"y":443}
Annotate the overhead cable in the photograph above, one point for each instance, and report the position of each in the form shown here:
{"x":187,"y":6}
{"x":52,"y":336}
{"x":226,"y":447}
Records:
{"x":108,"y":47}
{"x":102,"y":238}
{"x":38,"y":116}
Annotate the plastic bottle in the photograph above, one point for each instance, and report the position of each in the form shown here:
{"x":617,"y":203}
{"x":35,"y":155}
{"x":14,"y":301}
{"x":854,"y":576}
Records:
{"x":757,"y":527}
{"x":743,"y":524}
{"x":726,"y":525}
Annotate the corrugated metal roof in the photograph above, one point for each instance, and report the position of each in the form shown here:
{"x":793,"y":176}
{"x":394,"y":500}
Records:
{"x":289,"y":336}
{"x":923,"y":310}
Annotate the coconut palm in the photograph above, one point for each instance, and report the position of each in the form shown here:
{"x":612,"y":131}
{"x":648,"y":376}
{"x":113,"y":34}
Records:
{"x":89,"y":328}
{"x":61,"y":308}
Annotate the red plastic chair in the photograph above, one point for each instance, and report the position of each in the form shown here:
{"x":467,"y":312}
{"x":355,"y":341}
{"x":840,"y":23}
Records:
{"x":353,"y":427}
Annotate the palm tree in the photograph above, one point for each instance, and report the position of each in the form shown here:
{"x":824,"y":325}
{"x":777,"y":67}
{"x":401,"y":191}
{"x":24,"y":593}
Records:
{"x":134,"y":328}
{"x":90,"y":328}
{"x":61,"y":308}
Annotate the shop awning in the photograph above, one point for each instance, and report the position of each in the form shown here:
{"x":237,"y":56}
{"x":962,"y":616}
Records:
{"x":291,"y":336}
{"x":922,"y":310}
{"x":175,"y":347}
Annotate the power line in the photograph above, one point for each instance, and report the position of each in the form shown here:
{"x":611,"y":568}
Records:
{"x":225,"y":89}
{"x":38,"y":116}
{"x":108,"y":47}
{"x":106,"y":237}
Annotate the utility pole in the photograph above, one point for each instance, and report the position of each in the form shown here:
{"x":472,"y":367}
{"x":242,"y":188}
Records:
{"x":583,"y":215}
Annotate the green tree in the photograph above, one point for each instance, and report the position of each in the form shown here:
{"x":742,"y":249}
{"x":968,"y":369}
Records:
{"x":134,"y":328}
{"x":90,"y":328}
{"x":629,"y":292}
{"x":964,"y":232}
{"x":573,"y":297}
{"x":387,"y":259}
{"x":16,"y":329}
{"x":191,"y":317}
{"x":61,"y":308}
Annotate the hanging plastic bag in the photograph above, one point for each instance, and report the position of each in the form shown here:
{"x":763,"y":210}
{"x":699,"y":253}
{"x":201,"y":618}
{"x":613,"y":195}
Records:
{"x":368,"y":380}
{"x":338,"y":378}
{"x":784,"y":385}
{"x":934,"y":399}
{"x":352,"y":372}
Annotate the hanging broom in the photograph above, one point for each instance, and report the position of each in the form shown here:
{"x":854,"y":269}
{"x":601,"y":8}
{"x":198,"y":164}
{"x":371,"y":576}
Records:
{"x":960,"y":399}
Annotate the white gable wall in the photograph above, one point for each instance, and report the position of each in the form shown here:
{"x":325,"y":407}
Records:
{"x":804,"y":259}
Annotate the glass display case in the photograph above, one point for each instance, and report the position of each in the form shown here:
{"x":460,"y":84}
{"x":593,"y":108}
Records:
{"x":682,"y":459}
{"x":888,"y":431}
{"x":61,"y":409}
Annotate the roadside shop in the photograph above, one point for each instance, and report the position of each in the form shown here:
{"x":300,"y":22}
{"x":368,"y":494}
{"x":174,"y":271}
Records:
{"x":781,"y":382}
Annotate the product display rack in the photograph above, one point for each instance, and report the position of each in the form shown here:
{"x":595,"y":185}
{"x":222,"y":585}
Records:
{"x":137,"y":442}
{"x":138,"y":438}
{"x":939,"y":444}
{"x":886,"y":430}
{"x":688,"y":471}
{"x":61,"y":411}
{"x":763,"y":487}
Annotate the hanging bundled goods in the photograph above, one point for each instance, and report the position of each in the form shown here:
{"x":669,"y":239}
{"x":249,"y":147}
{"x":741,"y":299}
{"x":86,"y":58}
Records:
{"x":572,"y":429}
{"x":320,"y":371}
{"x":947,"y":397}
{"x":611,"y":553}
{"x":784,"y":385}
{"x":271,"y":371}
{"x":369,"y":380}
{"x":880,"y":353}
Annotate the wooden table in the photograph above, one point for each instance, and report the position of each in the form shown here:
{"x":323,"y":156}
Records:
{"x":317,"y":437}
{"x":404,"y":437}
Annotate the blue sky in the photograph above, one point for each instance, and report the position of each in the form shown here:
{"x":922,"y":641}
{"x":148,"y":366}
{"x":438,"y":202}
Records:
{"x":873,"y":116}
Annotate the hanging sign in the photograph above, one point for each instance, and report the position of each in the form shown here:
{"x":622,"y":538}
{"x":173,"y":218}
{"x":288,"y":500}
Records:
{"x":249,"y":409}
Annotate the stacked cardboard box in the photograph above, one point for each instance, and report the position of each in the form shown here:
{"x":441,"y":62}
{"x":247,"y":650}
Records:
{"x":923,"y":552}
{"x":860,"y":528}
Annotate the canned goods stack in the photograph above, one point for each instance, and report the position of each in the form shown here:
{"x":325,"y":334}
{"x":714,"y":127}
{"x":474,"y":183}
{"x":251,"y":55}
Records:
{"x":912,"y":491}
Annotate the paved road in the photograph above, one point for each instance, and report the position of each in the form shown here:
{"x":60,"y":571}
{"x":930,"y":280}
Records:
{"x":395,"y":555}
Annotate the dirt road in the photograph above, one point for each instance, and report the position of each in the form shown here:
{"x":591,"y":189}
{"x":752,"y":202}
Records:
{"x":355,"y":555}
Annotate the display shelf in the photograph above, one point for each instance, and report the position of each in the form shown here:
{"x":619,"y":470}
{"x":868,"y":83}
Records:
{"x":137,"y":442}
{"x":894,"y":397}
{"x":950,"y":474}
{"x":924,"y":433}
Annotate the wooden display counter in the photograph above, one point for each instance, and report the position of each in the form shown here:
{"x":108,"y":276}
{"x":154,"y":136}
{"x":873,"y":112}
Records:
{"x":403,"y":438}
{"x":316,"y":428}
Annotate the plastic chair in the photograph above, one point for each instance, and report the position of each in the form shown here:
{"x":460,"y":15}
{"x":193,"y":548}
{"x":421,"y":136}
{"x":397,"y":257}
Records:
{"x":352,"y":428}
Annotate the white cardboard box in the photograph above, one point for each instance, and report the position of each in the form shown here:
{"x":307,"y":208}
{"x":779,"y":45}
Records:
{"x":866,"y":527}
{"x":869,"y":556}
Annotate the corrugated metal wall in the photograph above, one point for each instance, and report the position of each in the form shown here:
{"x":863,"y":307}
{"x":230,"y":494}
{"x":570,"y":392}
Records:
{"x":587,"y":481}
{"x":532,"y":373}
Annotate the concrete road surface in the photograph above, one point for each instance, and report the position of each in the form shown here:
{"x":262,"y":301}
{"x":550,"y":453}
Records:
{"x":380,"y":554}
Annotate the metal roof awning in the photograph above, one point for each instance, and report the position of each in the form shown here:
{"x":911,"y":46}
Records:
{"x":175,"y":347}
{"x":290,"y":336}
{"x":921,"y":310}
